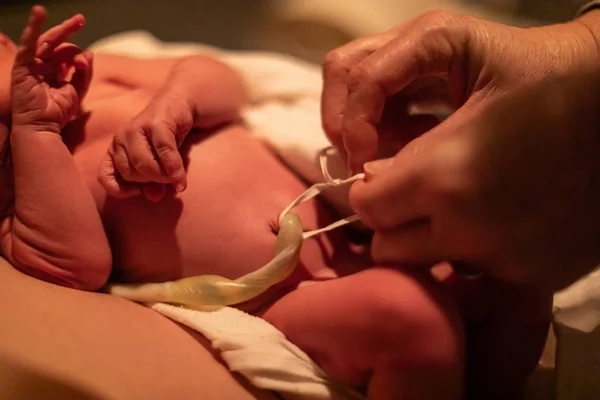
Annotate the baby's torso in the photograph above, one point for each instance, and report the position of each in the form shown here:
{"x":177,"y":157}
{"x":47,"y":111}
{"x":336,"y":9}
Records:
{"x":224,"y":223}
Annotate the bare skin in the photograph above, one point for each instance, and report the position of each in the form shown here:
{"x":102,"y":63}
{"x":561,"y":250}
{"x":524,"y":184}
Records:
{"x":82,"y":345}
{"x":399,"y":328}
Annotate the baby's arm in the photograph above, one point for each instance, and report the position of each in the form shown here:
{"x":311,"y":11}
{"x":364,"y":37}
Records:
{"x":133,"y":73}
{"x":214,"y":89}
{"x":199,"y":92}
{"x":56,"y":233}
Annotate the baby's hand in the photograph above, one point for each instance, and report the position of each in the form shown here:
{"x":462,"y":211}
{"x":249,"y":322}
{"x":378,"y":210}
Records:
{"x":144,"y":157}
{"x":50,"y":77}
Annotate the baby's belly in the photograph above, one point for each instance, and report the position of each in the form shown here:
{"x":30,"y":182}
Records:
{"x":224,"y":222}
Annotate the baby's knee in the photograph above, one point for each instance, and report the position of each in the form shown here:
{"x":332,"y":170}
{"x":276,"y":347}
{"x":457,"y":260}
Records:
{"x":408,"y":320}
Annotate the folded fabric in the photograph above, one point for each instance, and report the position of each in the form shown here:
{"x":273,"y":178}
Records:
{"x":255,"y":349}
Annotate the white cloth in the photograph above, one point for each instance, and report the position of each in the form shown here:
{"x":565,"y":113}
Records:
{"x":261,"y":353}
{"x":577,"y":326}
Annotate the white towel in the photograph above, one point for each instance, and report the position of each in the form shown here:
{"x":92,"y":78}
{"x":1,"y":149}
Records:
{"x":261,"y":353}
{"x":577,"y":326}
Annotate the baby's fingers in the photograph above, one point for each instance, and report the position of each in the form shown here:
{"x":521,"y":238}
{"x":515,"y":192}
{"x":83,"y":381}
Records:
{"x":135,"y":158}
{"x":59,"y":34}
{"x":56,"y":68}
{"x":165,"y":147}
{"x":84,"y":67}
{"x":30,"y":36}
{"x":154,"y":191}
{"x":114,"y":185}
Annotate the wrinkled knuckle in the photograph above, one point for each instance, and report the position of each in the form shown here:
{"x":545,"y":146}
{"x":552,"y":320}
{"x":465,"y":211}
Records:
{"x":119,"y":138}
{"x":440,"y":19}
{"x":122,"y":166}
{"x":453,"y":176}
{"x":169,"y":158}
{"x":164,"y":151}
{"x":441,"y":27}
{"x":334,"y":61}
{"x":153,"y":125}
{"x":146,"y":128}
{"x":142,"y":164}
{"x":360,"y":75}
{"x":437,"y":40}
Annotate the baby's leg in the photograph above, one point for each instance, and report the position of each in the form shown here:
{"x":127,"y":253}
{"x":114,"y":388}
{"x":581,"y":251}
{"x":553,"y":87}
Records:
{"x":387,"y":331}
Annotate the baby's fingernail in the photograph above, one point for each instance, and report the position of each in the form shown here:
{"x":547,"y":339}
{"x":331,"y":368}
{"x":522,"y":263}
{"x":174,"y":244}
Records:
{"x":373,"y":168}
{"x":179,"y":187}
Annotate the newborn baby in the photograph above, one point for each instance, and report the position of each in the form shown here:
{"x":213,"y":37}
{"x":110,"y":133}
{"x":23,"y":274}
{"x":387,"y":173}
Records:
{"x":144,"y":172}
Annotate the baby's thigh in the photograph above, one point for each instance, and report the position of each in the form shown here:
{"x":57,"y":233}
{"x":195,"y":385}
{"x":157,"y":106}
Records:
{"x":92,"y":345}
{"x":380,"y":319}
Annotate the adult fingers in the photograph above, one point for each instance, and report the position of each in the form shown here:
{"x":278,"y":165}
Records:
{"x":336,"y":67}
{"x":408,"y":186}
{"x":412,"y":244}
{"x":398,"y":126}
{"x":391,"y":192}
{"x":428,"y":49}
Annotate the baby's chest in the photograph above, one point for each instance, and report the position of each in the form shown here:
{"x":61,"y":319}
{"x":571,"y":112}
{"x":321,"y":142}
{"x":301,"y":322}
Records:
{"x":89,"y":136}
{"x":103,"y":117}
{"x":223,"y":223}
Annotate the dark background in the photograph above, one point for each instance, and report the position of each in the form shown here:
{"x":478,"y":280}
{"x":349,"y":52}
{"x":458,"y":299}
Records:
{"x":231,"y":24}
{"x":224,"y":23}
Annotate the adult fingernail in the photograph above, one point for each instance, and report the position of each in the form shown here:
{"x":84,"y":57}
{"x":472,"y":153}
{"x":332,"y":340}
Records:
{"x":374,"y":168}
{"x":179,"y":187}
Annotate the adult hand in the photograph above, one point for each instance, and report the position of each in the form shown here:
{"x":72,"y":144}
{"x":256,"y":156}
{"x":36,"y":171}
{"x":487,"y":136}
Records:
{"x":509,"y":183}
